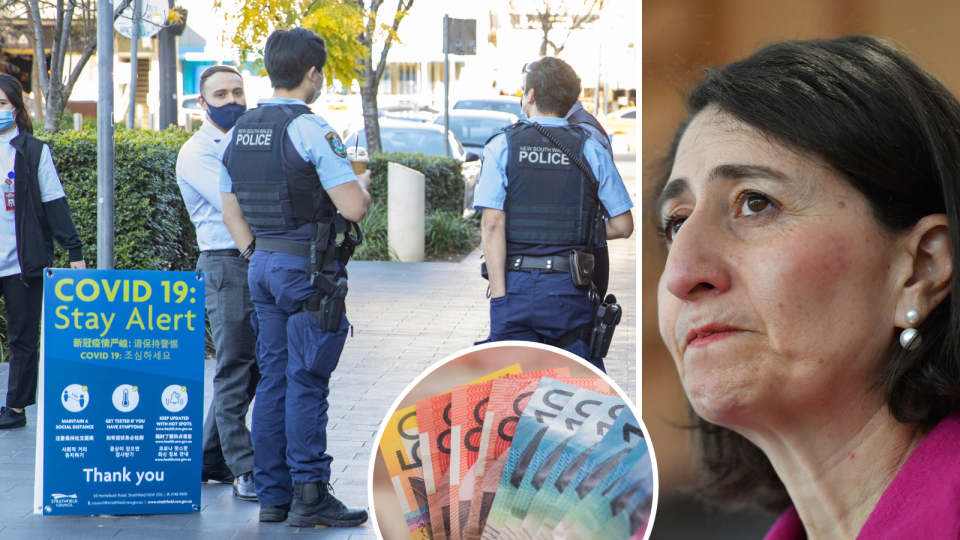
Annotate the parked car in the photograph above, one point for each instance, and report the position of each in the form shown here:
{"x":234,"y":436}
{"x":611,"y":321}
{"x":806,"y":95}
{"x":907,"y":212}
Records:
{"x":621,"y":126}
{"x":507,"y":104}
{"x":190,"y":106}
{"x":412,"y":137}
{"x":473,"y":127}
{"x":409,"y":111}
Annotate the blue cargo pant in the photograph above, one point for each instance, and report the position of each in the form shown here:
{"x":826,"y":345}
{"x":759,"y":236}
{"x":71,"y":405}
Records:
{"x":296,"y":359}
{"x":540,"y":307}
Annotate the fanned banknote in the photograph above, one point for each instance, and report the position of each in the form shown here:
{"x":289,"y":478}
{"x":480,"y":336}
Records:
{"x":546,"y":403}
{"x":630,"y":508}
{"x":529,"y":457}
{"x":608,"y":499}
{"x":400,"y":447}
{"x":592,"y":469}
{"x":561,"y":430}
{"x":433,"y":421}
{"x":468,"y":409}
{"x":576,"y":451}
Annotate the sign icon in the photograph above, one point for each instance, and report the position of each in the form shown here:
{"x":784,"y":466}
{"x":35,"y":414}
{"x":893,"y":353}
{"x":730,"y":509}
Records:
{"x":174,"y":398}
{"x":75,"y":398}
{"x":126,"y":398}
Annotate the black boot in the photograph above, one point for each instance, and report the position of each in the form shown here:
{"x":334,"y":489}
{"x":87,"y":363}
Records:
{"x":10,"y":418}
{"x":274,"y":513}
{"x":314,"y":504}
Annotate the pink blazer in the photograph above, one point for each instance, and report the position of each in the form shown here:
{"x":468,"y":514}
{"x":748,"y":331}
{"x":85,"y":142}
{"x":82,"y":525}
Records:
{"x":923,"y":501}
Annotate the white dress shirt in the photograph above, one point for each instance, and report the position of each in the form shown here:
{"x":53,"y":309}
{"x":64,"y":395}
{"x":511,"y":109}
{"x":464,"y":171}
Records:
{"x":198,"y":175}
{"x":50,"y":190}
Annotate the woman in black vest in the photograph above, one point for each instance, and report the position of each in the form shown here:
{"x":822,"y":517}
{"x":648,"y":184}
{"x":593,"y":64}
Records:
{"x":33,"y":211}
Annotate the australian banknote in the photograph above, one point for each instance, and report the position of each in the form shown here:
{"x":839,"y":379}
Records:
{"x":546,"y":403}
{"x":630,"y":508}
{"x":434,"y":426}
{"x":468,"y":409}
{"x":400,"y":447}
{"x":611,"y":502}
{"x":545,"y":484}
{"x":581,"y":406}
{"x":595,"y":469}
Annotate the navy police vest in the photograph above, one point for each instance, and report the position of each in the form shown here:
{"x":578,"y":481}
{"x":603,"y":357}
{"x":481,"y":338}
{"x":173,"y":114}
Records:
{"x":549,"y":201}
{"x":277,"y":189}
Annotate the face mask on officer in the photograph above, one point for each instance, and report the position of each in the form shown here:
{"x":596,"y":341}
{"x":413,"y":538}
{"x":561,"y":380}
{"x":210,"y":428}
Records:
{"x":316,"y":94}
{"x":225,"y":116}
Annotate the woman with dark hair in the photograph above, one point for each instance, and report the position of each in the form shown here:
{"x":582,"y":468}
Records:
{"x":809,"y":204}
{"x":34,"y":212}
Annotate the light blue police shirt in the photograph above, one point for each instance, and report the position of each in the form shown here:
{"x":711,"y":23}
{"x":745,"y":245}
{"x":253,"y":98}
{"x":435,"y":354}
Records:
{"x":198,"y":176}
{"x":491,"y":191}
{"x":308,"y":134}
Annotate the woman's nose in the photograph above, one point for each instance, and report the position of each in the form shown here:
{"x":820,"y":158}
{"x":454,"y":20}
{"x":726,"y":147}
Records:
{"x":697,"y":263}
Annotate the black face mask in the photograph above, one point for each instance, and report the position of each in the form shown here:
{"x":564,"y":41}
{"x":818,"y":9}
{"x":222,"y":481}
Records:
{"x":226,"y":116}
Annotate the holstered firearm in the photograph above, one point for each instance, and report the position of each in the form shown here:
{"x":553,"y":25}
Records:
{"x":606,"y":321}
{"x":328,"y":304}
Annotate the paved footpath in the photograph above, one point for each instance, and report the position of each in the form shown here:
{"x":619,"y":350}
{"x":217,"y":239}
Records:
{"x":406,"y":317}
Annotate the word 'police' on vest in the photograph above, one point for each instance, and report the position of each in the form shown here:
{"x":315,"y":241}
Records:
{"x":543,"y":155}
{"x":254,"y":136}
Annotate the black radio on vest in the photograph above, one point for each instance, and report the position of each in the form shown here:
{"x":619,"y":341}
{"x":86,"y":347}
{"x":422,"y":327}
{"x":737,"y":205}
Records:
{"x":277,"y":189}
{"x":551,"y":205}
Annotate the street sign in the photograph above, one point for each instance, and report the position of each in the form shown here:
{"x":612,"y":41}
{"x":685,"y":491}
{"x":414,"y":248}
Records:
{"x":120,"y":415}
{"x":153,"y":15}
{"x":461,"y":37}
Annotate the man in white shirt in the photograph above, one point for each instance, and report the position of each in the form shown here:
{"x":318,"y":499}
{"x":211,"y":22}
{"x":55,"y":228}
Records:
{"x":227,"y":446}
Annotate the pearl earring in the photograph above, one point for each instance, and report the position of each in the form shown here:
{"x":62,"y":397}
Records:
{"x":910,"y":339}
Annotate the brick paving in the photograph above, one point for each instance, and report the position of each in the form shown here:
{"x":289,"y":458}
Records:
{"x":406,"y":317}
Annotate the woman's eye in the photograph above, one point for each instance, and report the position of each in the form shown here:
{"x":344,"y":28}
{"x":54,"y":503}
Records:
{"x":754,"y":204}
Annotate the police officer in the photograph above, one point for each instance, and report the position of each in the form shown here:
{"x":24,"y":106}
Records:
{"x":227,"y":448}
{"x":286,"y":175}
{"x":539,"y":207}
{"x":579,"y":116}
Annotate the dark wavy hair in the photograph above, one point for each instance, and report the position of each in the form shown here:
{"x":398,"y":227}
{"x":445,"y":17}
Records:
{"x":864,"y":108}
{"x":11,"y":87}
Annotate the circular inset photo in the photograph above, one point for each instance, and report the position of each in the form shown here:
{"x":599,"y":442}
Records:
{"x":174,"y":397}
{"x":126,"y":398}
{"x":75,"y":398}
{"x":513,"y":440}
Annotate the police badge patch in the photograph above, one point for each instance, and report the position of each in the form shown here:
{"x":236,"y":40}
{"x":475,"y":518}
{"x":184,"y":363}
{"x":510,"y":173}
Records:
{"x":336,"y":144}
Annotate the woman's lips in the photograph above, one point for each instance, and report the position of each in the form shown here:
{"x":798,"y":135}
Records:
{"x":711,"y":333}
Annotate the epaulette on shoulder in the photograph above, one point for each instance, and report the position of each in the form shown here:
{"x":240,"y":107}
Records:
{"x":503,"y":130}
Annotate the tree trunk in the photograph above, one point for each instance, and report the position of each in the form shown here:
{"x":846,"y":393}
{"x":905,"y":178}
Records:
{"x":55,"y":107}
{"x":368,"y":97}
{"x":37,"y":104}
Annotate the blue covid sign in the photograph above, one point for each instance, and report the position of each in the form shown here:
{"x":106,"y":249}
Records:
{"x":120,"y":416}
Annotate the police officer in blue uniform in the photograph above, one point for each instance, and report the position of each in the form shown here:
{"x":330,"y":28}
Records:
{"x":544,"y":188}
{"x":287,"y":183}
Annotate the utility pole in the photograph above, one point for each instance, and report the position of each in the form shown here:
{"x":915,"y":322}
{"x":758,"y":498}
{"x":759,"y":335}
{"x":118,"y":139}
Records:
{"x":105,"y":149}
{"x":446,"y":85}
{"x":167,"y":43}
{"x":132,"y":112}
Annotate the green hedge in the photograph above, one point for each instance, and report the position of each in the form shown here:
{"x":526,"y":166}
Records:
{"x":444,"y":179}
{"x":153,"y":228}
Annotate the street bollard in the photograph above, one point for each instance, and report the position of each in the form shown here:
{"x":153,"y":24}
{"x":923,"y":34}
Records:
{"x":77,"y":122}
{"x":406,"y":194}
